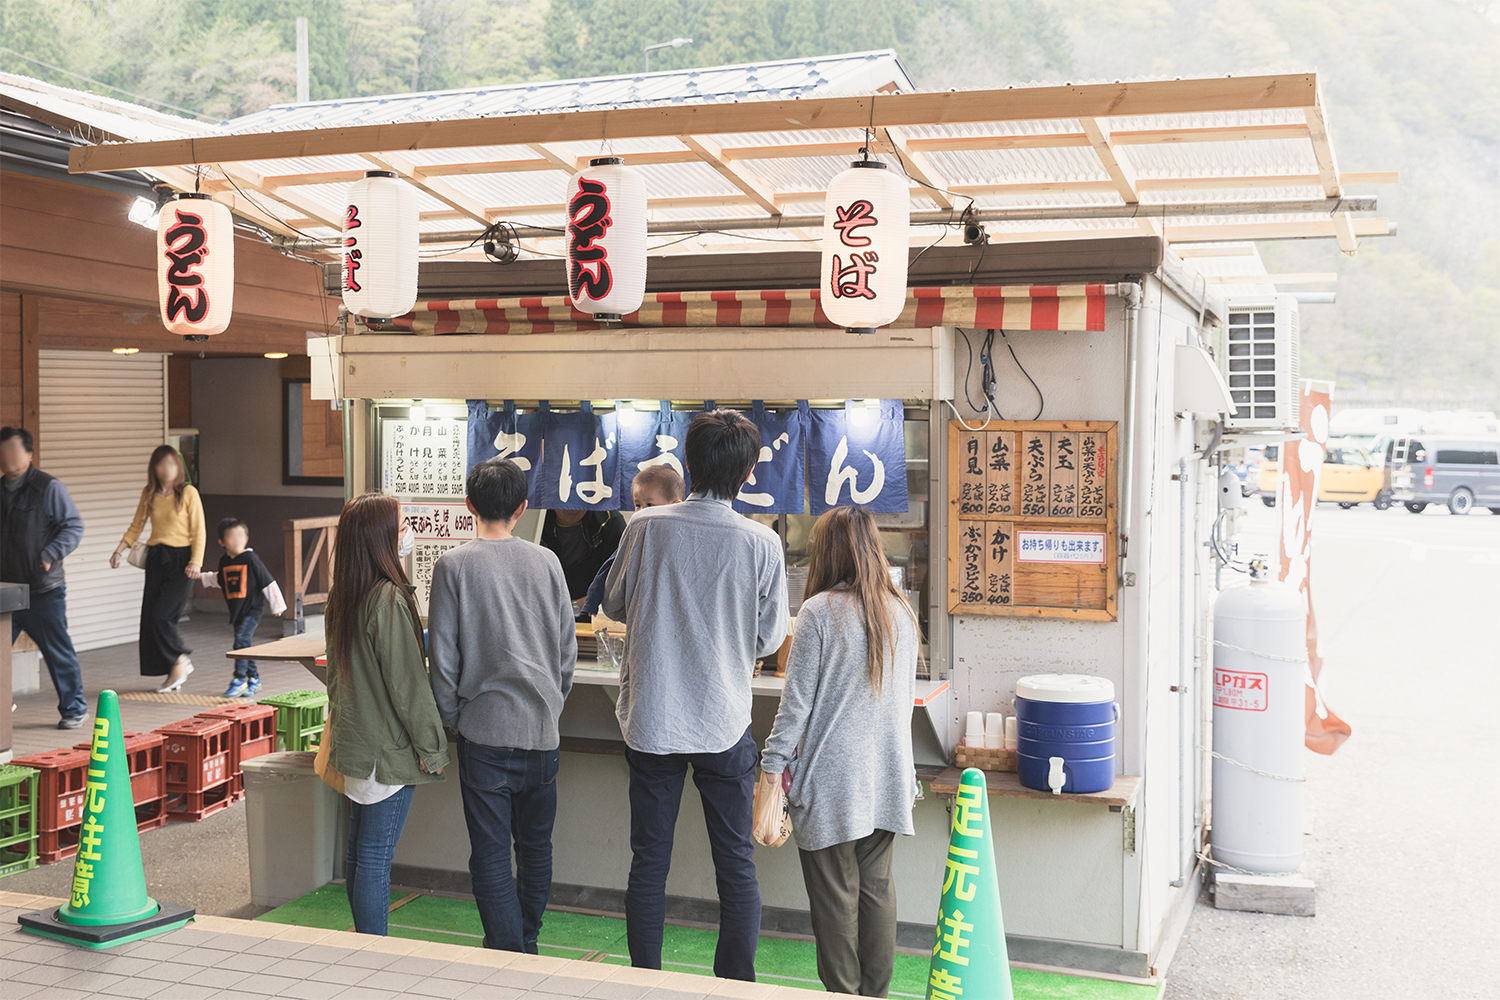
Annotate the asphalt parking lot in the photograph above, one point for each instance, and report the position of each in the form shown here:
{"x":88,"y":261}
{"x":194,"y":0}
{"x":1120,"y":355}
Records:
{"x":1403,"y":840}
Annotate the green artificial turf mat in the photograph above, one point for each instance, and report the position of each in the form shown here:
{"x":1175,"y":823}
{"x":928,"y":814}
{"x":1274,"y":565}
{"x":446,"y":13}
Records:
{"x":778,"y":961}
{"x":327,"y":908}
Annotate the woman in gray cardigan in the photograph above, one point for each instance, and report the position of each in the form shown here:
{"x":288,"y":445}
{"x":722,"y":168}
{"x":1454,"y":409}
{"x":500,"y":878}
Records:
{"x":844,"y":733}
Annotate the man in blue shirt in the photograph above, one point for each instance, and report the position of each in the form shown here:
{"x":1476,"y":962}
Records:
{"x":39,"y":526}
{"x":702,"y":593}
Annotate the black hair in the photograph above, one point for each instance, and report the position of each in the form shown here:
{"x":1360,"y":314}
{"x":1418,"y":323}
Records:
{"x":662,"y":479}
{"x":6,"y":433}
{"x":232,"y":522}
{"x":497,"y":488}
{"x":722,"y":447}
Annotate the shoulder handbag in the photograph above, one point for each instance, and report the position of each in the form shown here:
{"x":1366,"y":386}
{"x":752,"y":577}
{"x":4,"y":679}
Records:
{"x":330,"y":774}
{"x":137,"y":555}
{"x":771,"y":817}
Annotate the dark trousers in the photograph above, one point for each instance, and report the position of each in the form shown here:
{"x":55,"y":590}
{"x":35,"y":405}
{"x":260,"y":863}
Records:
{"x":244,"y":636}
{"x":46,"y":621}
{"x":166,"y":594}
{"x":853,"y":904}
{"x":374,"y":831}
{"x":510,"y":796}
{"x":726,"y":783}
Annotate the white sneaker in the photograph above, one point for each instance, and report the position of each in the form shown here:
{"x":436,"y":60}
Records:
{"x":179,"y":674}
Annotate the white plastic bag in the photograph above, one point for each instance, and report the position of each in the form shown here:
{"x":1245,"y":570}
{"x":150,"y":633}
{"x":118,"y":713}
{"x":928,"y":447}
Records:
{"x":771,"y":817}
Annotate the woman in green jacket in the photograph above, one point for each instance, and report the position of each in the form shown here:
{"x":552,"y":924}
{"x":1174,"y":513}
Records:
{"x":385,"y":735}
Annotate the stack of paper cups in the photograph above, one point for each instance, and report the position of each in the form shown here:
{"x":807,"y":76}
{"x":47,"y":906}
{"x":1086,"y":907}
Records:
{"x":994,"y":731}
{"x":1010,"y":733}
{"x":974,"y":731}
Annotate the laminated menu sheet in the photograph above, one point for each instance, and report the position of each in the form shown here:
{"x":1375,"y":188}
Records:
{"x":1032,"y":527}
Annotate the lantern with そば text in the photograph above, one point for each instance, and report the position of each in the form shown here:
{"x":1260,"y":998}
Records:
{"x":606,"y":239}
{"x":866,"y":231}
{"x":380,"y":246}
{"x":195,"y":266}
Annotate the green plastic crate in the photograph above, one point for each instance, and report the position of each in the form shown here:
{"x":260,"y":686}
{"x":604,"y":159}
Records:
{"x":17,"y":819}
{"x":299,"y":718}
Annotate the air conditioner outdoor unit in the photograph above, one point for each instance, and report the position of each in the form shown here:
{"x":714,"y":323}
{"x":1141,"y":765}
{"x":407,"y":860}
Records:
{"x":1260,"y":357}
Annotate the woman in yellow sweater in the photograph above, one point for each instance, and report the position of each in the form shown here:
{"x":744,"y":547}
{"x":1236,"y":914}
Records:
{"x":174,"y":559}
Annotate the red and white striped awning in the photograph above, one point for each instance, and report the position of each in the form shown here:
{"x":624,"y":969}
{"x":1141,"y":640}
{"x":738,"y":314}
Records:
{"x":1008,"y":307}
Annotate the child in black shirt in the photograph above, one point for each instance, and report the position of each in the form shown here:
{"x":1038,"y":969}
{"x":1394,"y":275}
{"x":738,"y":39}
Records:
{"x":244,"y":580}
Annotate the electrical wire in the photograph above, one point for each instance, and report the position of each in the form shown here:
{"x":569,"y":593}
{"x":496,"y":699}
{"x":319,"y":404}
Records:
{"x":1041,"y":400}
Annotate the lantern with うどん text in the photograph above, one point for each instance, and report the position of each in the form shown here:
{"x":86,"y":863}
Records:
{"x":195,"y":266}
{"x":381,"y":237}
{"x":606,"y":241}
{"x":866,"y":232}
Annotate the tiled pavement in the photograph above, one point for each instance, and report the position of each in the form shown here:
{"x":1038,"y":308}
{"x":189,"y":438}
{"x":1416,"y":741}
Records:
{"x":221,"y":957}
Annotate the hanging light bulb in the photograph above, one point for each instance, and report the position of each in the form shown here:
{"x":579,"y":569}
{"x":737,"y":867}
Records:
{"x":606,"y":242}
{"x":380,"y":246}
{"x":866,"y":232}
{"x":195,"y":266}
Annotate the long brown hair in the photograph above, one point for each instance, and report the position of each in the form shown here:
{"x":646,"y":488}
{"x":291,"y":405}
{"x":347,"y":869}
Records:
{"x":364,"y":557}
{"x":154,"y":485}
{"x":845,"y":553}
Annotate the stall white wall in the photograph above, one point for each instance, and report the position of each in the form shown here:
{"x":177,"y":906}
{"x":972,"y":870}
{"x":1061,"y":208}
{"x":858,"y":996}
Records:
{"x":1095,"y":889}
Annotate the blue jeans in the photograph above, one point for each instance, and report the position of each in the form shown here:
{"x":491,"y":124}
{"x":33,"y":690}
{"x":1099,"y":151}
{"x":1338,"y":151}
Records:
{"x":46,"y":621}
{"x":726,"y":783}
{"x":510,"y":796}
{"x":373,"y":833}
{"x":244,"y":636}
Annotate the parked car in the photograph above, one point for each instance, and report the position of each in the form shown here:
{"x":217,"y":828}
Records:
{"x":1457,"y":471}
{"x":1350,"y":477}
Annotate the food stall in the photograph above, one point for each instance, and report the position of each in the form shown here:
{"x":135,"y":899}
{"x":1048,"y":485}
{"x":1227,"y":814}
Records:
{"x":1084,"y":205}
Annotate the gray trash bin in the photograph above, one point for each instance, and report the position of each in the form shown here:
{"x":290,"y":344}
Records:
{"x":292,"y":821}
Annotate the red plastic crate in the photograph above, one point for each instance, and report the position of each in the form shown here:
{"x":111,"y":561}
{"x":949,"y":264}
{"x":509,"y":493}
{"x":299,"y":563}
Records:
{"x":60,"y":845}
{"x":254,"y":734}
{"x":196,"y":753}
{"x":59,"y":787}
{"x":190,"y":807}
{"x":147,"y":774}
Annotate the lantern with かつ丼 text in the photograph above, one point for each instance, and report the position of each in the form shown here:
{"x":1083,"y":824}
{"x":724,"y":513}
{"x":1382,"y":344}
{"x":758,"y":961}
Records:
{"x":195,"y":266}
{"x":606,"y":239}
{"x":380,"y":246}
{"x":866,"y":230}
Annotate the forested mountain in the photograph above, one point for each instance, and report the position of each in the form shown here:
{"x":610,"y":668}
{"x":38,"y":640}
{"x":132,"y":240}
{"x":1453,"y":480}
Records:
{"x":1412,"y":85}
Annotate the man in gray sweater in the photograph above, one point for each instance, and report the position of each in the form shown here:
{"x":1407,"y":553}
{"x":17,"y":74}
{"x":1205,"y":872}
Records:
{"x":502,"y":646}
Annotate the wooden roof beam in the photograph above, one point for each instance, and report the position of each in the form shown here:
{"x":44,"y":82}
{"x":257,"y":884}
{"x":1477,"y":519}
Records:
{"x":439,"y":188}
{"x":917,"y":165}
{"x":1152,"y":97}
{"x":1317,"y":130}
{"x":1343,"y":230}
{"x":1115,"y":164}
{"x":713,"y":154}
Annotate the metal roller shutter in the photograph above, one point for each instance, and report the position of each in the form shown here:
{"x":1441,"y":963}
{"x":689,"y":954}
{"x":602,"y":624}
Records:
{"x":101,"y":414}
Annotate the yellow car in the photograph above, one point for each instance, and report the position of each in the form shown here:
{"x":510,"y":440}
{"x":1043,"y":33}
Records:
{"x":1350,"y":477}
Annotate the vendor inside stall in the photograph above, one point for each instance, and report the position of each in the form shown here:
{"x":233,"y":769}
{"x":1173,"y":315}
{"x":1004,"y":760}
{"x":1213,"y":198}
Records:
{"x":583,"y":540}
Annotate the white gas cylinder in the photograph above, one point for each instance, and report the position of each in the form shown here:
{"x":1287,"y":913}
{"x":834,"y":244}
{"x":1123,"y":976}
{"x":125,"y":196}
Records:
{"x":1259,"y":686}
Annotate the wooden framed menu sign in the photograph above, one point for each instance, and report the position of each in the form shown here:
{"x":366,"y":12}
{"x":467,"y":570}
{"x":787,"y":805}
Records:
{"x":1032,"y":519}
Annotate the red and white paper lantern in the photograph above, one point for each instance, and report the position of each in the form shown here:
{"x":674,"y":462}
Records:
{"x":866,"y":232}
{"x":606,"y":239}
{"x":195,"y":266}
{"x":381,"y":236}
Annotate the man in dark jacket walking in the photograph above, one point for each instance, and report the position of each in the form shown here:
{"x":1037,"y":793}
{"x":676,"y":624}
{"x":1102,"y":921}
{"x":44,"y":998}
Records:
{"x":39,"y":526}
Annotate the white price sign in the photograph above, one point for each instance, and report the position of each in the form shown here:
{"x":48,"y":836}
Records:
{"x":423,"y":458}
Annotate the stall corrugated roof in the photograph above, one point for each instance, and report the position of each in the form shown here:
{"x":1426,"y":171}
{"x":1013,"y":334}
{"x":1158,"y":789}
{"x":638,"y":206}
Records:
{"x":1215,"y":159}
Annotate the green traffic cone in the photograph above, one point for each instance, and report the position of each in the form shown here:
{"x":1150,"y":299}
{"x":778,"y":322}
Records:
{"x":969,"y":958}
{"x":108,"y":903}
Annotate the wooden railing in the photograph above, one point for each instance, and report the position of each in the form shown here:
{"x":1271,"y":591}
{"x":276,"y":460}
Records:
{"x":302,"y":563}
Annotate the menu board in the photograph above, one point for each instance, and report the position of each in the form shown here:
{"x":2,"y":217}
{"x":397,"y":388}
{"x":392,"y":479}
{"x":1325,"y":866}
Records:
{"x":423,"y":458}
{"x":1032,"y":519}
{"x":436,"y":528}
